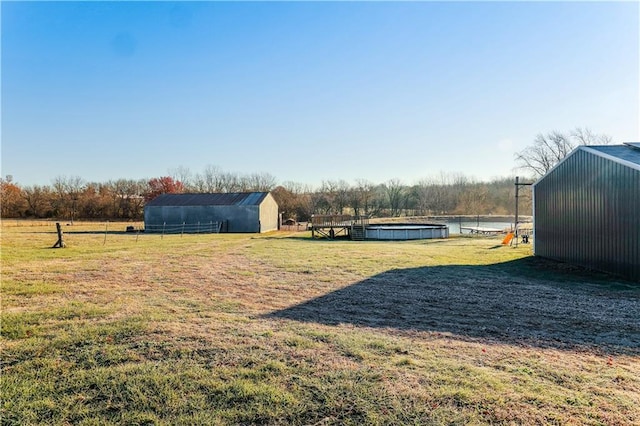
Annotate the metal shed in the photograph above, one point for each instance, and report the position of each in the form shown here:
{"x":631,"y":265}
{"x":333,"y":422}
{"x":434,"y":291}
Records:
{"x":229,"y":212}
{"x":587,"y":210}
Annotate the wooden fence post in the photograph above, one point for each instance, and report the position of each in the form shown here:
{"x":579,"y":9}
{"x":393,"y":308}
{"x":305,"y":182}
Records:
{"x":60,"y":243}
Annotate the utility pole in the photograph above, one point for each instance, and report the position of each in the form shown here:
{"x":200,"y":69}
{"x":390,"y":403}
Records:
{"x":518,"y":185}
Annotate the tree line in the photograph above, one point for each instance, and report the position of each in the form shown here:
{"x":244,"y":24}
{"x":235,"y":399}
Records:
{"x":71,"y":198}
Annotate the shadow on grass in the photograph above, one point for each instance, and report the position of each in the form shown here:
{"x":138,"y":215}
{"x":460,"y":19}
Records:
{"x":530,"y":301}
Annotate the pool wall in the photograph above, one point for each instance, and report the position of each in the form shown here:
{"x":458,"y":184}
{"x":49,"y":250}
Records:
{"x":393,"y":231}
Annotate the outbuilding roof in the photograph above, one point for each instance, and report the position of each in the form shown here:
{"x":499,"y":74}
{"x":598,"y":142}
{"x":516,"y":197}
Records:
{"x":218,"y":199}
{"x":629,"y":152}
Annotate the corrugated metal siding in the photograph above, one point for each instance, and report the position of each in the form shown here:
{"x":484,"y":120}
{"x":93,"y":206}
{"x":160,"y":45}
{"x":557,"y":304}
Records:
{"x":252,"y":199}
{"x":217,"y":199}
{"x":237,"y":218}
{"x":242,"y":212}
{"x":587,"y":212}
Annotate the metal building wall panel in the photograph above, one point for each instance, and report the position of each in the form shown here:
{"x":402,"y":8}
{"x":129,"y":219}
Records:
{"x":241,"y":212}
{"x":587,"y":212}
{"x":237,"y":218}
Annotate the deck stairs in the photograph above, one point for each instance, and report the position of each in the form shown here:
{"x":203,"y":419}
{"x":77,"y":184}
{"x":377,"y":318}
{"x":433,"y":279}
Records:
{"x":357,"y":232}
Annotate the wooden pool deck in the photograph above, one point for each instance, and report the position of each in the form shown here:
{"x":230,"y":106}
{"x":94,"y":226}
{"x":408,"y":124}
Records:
{"x":332,"y":226}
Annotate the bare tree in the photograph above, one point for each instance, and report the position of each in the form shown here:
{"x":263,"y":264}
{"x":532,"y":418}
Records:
{"x":584,"y":136}
{"x":395,"y":192}
{"x":213,"y":178}
{"x":430,"y":196}
{"x":326,"y":202}
{"x":440,"y":194}
{"x":473,"y":199}
{"x":341,"y":199}
{"x":230,"y":182}
{"x":297,"y":188}
{"x":361,"y":196}
{"x":545,"y":152}
{"x":184,"y":175}
{"x":68,"y":189}
{"x":261,"y":182}
{"x":38,"y":199}
{"x":549,"y":149}
{"x":126,"y":197}
{"x":319,"y":203}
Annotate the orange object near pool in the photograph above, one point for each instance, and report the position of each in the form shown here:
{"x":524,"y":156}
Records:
{"x":508,"y":238}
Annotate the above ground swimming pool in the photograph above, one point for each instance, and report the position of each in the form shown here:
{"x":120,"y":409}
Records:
{"x":405,"y":231}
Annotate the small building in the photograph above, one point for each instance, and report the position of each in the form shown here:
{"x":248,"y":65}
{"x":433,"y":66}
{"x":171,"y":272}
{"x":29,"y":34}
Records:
{"x":587,"y":210}
{"x":196,"y":213}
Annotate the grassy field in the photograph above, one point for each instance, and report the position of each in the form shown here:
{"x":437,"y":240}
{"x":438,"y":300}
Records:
{"x":122,"y":328}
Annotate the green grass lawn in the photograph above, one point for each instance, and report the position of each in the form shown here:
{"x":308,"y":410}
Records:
{"x":120,"y":328}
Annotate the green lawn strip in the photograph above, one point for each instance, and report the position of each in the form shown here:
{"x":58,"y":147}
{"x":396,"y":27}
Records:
{"x":22,"y":324}
{"x":295,"y":375}
{"x":28,"y":288}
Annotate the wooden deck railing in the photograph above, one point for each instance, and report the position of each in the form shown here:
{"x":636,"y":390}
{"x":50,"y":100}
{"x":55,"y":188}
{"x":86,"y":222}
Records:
{"x":338,"y":220}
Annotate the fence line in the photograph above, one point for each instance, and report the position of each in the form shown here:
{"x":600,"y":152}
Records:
{"x":299,"y":227}
{"x":185,"y":228}
{"x":106,"y":232}
{"x":12,"y":222}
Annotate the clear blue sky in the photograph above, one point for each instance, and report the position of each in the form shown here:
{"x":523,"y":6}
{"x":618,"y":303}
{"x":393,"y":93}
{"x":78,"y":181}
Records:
{"x":307,"y":91}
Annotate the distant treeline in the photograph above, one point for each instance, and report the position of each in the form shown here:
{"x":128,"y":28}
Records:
{"x":69,"y":198}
